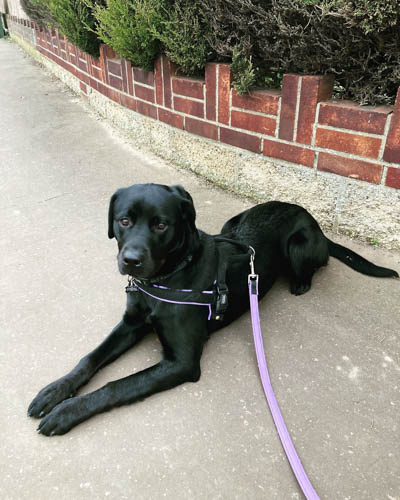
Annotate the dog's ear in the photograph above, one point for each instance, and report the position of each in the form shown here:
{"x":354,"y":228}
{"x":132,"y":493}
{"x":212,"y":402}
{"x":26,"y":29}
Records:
{"x":187,"y":206}
{"x":188,"y":212}
{"x":111,"y":215}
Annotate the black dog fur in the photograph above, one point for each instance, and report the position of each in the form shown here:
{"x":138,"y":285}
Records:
{"x":154,"y":226}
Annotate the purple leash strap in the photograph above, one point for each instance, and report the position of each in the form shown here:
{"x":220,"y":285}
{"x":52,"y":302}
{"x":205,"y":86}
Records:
{"x":283,"y":432}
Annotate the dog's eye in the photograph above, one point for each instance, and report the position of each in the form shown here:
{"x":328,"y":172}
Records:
{"x":125,"y":222}
{"x":161,"y":226}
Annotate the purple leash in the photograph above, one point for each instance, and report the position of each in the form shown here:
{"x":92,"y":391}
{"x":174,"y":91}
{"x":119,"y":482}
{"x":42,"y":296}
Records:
{"x":283,"y":432}
{"x":206,"y":298}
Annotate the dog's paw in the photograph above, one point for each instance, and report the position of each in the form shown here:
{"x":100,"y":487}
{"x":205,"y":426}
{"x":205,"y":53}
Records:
{"x":50,"y":396}
{"x":62,"y":418}
{"x":297,"y":288}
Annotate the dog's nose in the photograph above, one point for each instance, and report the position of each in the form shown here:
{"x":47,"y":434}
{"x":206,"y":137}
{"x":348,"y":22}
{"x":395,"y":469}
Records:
{"x":133,"y":258}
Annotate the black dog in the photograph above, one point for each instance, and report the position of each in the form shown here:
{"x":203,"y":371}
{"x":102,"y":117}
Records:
{"x":171,"y":261}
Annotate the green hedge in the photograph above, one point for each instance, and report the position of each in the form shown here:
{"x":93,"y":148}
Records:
{"x":359,"y":45}
{"x":74,"y":18}
{"x":38,"y":11}
{"x":128,"y":27}
{"x":358,"y":42}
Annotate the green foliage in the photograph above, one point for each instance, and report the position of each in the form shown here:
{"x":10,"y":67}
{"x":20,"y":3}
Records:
{"x":358,"y":42}
{"x":243,"y":72}
{"x":372,"y":16}
{"x":183,"y":33}
{"x":74,"y":18}
{"x":128,"y":27}
{"x":38,"y":11}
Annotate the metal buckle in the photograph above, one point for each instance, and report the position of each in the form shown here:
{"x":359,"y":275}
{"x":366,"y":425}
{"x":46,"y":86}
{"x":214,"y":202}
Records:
{"x":132,"y":287}
{"x":252,"y":276}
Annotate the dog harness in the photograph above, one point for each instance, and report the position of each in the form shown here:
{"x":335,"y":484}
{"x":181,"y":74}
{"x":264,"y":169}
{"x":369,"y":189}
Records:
{"x":216,"y":299}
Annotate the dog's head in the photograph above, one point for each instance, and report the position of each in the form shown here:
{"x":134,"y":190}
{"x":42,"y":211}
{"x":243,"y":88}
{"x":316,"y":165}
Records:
{"x":154,"y":226}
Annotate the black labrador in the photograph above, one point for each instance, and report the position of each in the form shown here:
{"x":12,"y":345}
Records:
{"x":163,"y":252}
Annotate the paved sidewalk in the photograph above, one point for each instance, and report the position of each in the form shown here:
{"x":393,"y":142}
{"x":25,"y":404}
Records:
{"x":333,"y":353}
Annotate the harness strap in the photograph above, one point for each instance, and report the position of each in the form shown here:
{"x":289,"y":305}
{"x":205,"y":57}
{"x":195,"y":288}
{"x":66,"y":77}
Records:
{"x":283,"y":432}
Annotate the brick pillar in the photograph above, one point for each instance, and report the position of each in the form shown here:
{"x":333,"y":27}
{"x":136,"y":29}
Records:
{"x":158,"y":79}
{"x":392,"y":149}
{"x":300,"y":96}
{"x":105,"y":53}
{"x":224,"y":90}
{"x":169,"y":70}
{"x":211,"y":91}
{"x":288,"y":107}
{"x":313,"y":89}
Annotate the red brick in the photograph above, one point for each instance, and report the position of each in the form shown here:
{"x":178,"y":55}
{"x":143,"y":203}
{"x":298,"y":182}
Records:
{"x":313,"y":89}
{"x":124,"y":75}
{"x":144,"y":93}
{"x":114,"y":67}
{"x":288,"y":106}
{"x":211,"y":91}
{"x":96,"y":72}
{"x":263,"y":101}
{"x":240,"y":139}
{"x":189,"y":107}
{"x":158,"y":79}
{"x":202,"y":128}
{"x":224,"y":90}
{"x":143,"y":76}
{"x":348,"y":167}
{"x":171,"y":118}
{"x":353,"y":117}
{"x":348,"y":143}
{"x":103,"y":62}
{"x":129,"y":74}
{"x":188,"y":87}
{"x":82,"y":76}
{"x":128,"y":102}
{"x":83,"y":87}
{"x":82,"y":65}
{"x":115,"y":82}
{"x":289,"y":152}
{"x":93,"y":83}
{"x":393,"y":177}
{"x":102,"y":89}
{"x":169,"y":70}
{"x":147,"y":109}
{"x":254,"y":123}
{"x":109,"y":53}
{"x":392,"y":149}
{"x":114,"y":95}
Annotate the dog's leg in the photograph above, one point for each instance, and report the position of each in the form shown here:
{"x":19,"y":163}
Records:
{"x":181,"y":364}
{"x":120,"y":339}
{"x":307,"y":251}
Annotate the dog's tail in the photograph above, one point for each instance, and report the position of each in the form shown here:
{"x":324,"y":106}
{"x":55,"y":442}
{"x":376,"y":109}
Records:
{"x":357,"y":262}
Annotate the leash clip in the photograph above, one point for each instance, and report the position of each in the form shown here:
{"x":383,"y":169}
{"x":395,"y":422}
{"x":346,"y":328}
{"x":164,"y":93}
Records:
{"x":132,"y":287}
{"x":253,"y":277}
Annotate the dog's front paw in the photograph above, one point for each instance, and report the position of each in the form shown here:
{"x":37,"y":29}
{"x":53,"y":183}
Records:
{"x":63,"y":417}
{"x":50,"y":396}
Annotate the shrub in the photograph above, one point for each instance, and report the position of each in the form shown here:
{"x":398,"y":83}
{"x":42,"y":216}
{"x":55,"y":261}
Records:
{"x":360,"y":46}
{"x":184,"y":36}
{"x":243,"y":72}
{"x":38,"y":11}
{"x":128,"y":26}
{"x":74,"y":18}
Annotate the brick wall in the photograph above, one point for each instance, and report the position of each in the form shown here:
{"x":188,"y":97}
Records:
{"x":300,"y":124}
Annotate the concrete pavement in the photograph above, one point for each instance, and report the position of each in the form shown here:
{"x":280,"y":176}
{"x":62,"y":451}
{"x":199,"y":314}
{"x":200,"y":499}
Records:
{"x":333,"y":353}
